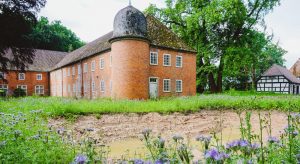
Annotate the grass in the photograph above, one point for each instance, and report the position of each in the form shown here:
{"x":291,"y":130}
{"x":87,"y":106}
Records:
{"x":55,"y":106}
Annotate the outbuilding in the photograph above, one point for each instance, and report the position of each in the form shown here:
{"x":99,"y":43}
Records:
{"x":278,"y":79}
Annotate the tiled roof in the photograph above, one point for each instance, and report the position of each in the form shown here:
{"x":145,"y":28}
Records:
{"x":44,"y":60}
{"x":295,"y":69}
{"x":158,"y":34}
{"x":277,"y":70}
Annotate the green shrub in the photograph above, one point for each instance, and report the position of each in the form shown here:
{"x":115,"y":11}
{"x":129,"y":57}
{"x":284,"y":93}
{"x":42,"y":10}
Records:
{"x":18,"y":92}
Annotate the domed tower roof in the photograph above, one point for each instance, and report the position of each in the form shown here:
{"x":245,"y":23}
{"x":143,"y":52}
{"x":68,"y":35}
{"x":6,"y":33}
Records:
{"x":130,"y":23}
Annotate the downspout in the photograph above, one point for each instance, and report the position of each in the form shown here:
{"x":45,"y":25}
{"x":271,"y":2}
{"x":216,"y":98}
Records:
{"x":62,"y":83}
{"x":81,"y":69}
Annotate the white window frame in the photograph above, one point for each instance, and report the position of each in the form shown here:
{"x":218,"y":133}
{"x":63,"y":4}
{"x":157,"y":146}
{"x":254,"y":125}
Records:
{"x":79,"y":69}
{"x":4,"y":88}
{"x":85,"y":67}
{"x":74,"y":88}
{"x":181,"y":61}
{"x":39,"y":88}
{"x":24,"y":87}
{"x":64,"y":72}
{"x":69,"y":88}
{"x":93,"y":66}
{"x":156,"y":56}
{"x":164,"y":88}
{"x":73,"y":70}
{"x":179,"y":90}
{"x":69,"y":72}
{"x":19,"y":75}
{"x":39,"y":75}
{"x":170,"y":60}
{"x":101,"y":63}
{"x":102,"y":86}
{"x":2,"y":75}
{"x":93,"y":86}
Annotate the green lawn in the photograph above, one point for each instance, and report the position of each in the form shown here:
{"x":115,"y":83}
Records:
{"x":55,"y":106}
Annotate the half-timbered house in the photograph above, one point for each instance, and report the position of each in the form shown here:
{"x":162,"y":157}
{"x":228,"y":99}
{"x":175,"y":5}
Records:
{"x":278,"y":79}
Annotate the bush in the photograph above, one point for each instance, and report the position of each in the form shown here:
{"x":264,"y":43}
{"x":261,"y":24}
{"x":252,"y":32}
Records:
{"x":19,"y":92}
{"x":2,"y":93}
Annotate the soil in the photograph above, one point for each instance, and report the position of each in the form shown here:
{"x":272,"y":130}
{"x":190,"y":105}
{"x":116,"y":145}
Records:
{"x":118,"y":129}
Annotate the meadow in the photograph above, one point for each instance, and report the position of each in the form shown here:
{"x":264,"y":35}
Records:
{"x":54,"y":106}
{"x":26,"y":136}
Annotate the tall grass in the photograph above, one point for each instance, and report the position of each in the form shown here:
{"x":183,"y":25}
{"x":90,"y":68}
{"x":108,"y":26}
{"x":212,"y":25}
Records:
{"x":55,"y":106}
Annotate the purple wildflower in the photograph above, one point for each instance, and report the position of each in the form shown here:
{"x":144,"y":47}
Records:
{"x":254,"y":146}
{"x":159,"y":161}
{"x":81,"y":159}
{"x":214,"y":154}
{"x":138,"y":161}
{"x":243,"y":143}
{"x":203,"y":138}
{"x":232,"y":144}
{"x":177,"y":137}
{"x":272,"y":139}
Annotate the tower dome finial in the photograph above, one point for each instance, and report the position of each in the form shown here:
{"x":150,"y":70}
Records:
{"x":129,"y":2}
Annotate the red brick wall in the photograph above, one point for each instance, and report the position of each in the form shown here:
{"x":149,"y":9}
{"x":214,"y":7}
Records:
{"x":30,"y":80}
{"x":61,"y":87}
{"x":129,"y":74}
{"x":186,"y":73}
{"x":130,"y":71}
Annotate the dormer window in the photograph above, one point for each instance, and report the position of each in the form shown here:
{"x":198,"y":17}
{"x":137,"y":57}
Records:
{"x":21,"y":76}
{"x":2,"y":75}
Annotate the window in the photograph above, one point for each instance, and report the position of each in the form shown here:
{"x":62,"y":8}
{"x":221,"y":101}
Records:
{"x":39,"y":89}
{"x":69,"y":88}
{"x":73,"y":71}
{"x":3,"y":87}
{"x":21,"y":76}
{"x":24,"y":87}
{"x":93,"y":86}
{"x":85,"y":87}
{"x":178,"y":85}
{"x":64,"y":89}
{"x":64,"y":72}
{"x":101,"y":63}
{"x":167,"y":85}
{"x":178,"y":61}
{"x":39,"y":77}
{"x":167,"y":60}
{"x":79,"y":69}
{"x":102,"y":86}
{"x":2,"y":75}
{"x":110,"y":60}
{"x":74,"y":88}
{"x":153,"y":58}
{"x":85,"y":68}
{"x":69,"y":72}
{"x":93,"y":66}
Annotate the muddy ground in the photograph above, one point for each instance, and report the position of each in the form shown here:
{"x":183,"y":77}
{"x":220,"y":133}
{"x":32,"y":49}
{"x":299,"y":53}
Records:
{"x":122,"y":132}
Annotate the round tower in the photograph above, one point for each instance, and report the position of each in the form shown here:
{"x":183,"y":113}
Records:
{"x":130,"y":55}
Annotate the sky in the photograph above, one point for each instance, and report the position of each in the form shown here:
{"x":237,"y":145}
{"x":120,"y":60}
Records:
{"x":90,"y":19}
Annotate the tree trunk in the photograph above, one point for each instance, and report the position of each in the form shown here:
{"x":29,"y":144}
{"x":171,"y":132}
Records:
{"x":212,"y":83}
{"x":220,"y":76}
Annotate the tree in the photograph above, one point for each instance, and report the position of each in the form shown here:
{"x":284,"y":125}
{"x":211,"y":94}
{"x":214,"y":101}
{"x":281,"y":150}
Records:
{"x":16,"y":19}
{"x":54,"y":36}
{"x":258,"y":54}
{"x":216,"y":28}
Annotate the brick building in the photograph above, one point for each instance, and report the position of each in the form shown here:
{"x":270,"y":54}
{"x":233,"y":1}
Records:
{"x":35,"y":80}
{"x":140,"y":59}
